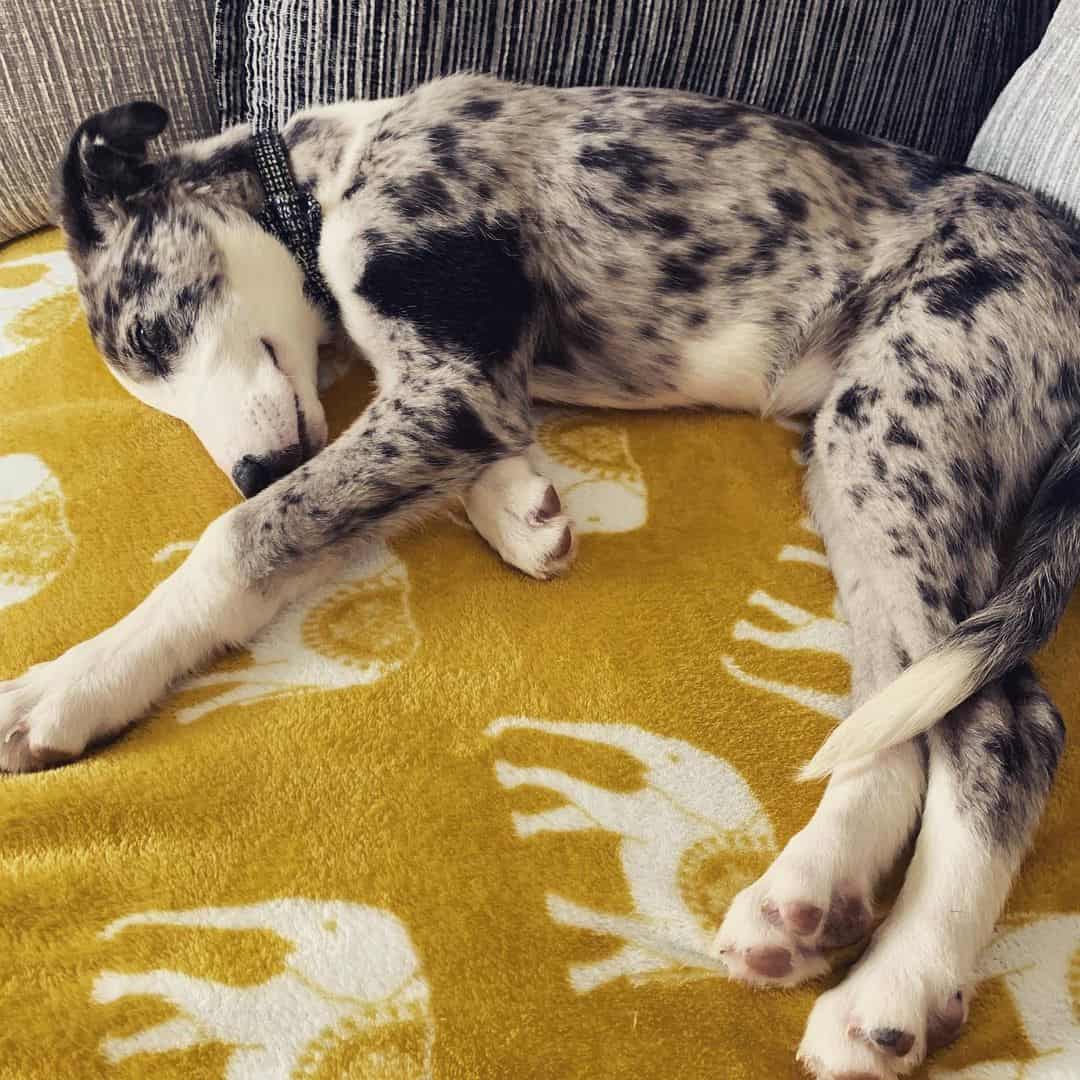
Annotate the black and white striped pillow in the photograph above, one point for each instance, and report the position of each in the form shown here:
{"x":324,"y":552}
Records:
{"x":920,"y":72}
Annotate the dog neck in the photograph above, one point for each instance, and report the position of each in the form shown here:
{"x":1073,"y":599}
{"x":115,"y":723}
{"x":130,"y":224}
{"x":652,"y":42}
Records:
{"x":286,"y":182}
{"x":324,"y":143}
{"x":292,"y":215}
{"x":300,"y":170}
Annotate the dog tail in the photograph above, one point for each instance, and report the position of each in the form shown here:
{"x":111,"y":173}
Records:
{"x":1017,"y":621}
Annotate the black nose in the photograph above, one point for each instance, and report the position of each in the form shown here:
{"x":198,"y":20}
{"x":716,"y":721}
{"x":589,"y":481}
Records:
{"x":251,"y":474}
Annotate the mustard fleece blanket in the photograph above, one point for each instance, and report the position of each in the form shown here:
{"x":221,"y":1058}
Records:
{"x":442,"y":820}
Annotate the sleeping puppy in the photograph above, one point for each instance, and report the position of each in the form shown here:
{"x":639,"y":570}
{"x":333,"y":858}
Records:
{"x":487,"y":245}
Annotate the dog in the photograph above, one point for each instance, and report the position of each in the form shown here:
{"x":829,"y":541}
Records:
{"x":489,"y":245}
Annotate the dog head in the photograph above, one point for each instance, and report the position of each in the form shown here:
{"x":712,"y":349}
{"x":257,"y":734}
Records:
{"x":197,"y":310}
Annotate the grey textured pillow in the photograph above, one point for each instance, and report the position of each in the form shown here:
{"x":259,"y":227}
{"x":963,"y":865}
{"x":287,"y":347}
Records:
{"x":920,"y":72}
{"x":61,"y":60}
{"x":1032,"y":135}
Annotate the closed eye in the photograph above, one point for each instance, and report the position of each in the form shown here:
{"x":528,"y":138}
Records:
{"x":154,"y":346}
{"x":159,"y":368}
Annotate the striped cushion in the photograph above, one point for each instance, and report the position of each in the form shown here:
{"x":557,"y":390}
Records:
{"x":61,"y":60}
{"x":1032,"y":135}
{"x":921,"y":72}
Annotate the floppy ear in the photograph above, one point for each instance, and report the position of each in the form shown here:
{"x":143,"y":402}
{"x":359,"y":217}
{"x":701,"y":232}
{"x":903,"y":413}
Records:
{"x":106,"y":164}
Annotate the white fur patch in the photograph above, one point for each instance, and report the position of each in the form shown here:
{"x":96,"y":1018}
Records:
{"x":804,"y":388}
{"x":728,"y":369}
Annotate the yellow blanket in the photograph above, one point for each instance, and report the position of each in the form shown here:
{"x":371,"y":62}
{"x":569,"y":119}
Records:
{"x":441,"y":820}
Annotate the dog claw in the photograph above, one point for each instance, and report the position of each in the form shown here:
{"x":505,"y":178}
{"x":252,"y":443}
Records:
{"x":550,"y":506}
{"x":563,"y":547}
{"x":946,"y":1025}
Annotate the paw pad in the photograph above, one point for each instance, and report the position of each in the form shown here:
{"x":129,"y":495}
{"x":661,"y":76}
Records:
{"x":16,"y":755}
{"x":563,"y":547}
{"x":892,"y":1040}
{"x":847,"y":922}
{"x":768,"y":960}
{"x":802,"y":918}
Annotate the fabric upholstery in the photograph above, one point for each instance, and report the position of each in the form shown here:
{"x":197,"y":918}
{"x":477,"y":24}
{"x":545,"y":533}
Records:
{"x":61,"y":60}
{"x":919,"y":72}
{"x":1032,"y":135}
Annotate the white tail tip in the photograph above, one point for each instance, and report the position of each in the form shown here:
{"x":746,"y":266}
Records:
{"x":907,"y":707}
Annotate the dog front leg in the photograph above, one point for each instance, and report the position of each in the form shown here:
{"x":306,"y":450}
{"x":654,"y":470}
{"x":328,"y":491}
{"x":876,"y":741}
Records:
{"x":395,"y":464}
{"x":56,"y":709}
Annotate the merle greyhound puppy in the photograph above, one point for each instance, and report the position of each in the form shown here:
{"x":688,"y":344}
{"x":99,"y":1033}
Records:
{"x":491,"y":244}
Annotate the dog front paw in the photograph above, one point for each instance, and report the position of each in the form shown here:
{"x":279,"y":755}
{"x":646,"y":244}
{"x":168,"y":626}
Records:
{"x":50,"y":714}
{"x":519,"y":513}
{"x":547,"y":545}
{"x":28,"y":723}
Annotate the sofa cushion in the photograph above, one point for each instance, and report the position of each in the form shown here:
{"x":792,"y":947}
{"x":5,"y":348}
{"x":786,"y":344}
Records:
{"x":61,"y":60}
{"x":1032,"y":135}
{"x":920,"y":72}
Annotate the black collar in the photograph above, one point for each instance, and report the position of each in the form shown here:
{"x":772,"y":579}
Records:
{"x":292,"y":215}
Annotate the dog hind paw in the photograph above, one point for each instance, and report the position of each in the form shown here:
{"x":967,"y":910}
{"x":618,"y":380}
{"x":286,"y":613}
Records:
{"x":880,"y":1027}
{"x":777,"y":930}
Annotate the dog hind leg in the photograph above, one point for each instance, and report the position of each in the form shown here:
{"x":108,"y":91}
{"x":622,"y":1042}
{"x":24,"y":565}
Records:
{"x":991,"y":765}
{"x":914,"y":525}
{"x":818,"y":893}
